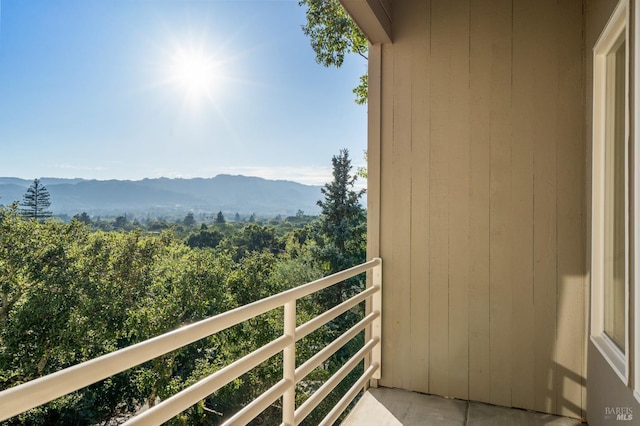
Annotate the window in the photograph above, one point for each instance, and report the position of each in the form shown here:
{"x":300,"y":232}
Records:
{"x":615,"y":207}
{"x":610,"y":199}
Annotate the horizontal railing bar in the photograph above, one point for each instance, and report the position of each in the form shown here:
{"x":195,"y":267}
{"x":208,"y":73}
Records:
{"x":44,"y":389}
{"x":258,"y":405}
{"x":349,"y":396}
{"x":205,"y":387}
{"x":319,"y":284}
{"x":329,"y":385}
{"x":314,"y":324}
{"x":330,"y":349}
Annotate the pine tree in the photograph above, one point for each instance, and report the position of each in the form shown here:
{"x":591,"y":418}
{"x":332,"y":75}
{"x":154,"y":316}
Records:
{"x":219,"y":219}
{"x":341,"y":239}
{"x":343,"y":217}
{"x":35,"y":202}
{"x":341,"y":243}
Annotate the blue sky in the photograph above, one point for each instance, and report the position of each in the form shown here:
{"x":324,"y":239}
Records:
{"x":98,"y":89}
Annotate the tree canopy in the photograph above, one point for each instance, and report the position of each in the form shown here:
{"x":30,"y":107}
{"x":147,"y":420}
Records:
{"x":333,"y":35}
{"x":189,"y":219}
{"x":73,"y":291}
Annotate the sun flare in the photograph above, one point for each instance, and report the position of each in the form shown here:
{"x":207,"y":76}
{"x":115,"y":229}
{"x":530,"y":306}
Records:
{"x":194,"y":72}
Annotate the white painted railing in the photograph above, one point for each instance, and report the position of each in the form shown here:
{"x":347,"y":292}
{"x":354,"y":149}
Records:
{"x":32,"y":394}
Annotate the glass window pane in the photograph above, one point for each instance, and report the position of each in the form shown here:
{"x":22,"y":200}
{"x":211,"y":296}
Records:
{"x":615,"y":264}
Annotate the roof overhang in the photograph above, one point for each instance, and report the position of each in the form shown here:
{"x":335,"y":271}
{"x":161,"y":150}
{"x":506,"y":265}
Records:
{"x":373,"y":17}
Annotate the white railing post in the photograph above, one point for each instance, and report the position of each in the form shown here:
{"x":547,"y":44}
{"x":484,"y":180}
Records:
{"x":289,"y":365}
{"x":376,"y":326}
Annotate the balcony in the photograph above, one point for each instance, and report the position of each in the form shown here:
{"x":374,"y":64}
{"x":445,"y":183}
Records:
{"x":396,"y":407}
{"x":378,"y":406}
{"x":32,"y":394}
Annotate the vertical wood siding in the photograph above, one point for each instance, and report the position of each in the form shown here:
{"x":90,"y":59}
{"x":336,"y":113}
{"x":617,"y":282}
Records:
{"x":481,"y":201}
{"x":420,"y":159}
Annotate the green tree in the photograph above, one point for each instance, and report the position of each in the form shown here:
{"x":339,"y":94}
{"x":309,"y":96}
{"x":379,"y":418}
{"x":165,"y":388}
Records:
{"x":56,"y":318}
{"x":83,"y":217}
{"x":342,"y":231}
{"x":333,"y":35}
{"x":219,"y":218}
{"x":340,"y":244}
{"x":205,"y":238}
{"x":253,"y":238}
{"x":36,"y":201}
{"x":69,"y":295}
{"x":120,"y":222}
{"x":157,"y":225}
{"x":189,"y":219}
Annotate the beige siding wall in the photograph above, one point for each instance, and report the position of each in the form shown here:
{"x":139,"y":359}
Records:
{"x":477,"y":153}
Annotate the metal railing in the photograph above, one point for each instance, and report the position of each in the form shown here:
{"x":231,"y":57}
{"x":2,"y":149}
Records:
{"x":37,"y":392}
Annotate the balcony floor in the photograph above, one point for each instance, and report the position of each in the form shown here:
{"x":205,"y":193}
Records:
{"x":395,"y":407}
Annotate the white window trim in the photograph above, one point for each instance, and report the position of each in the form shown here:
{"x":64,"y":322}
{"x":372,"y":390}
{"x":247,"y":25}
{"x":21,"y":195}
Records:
{"x":617,"y":359}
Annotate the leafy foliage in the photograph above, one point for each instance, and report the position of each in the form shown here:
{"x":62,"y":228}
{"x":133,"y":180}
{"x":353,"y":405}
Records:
{"x":69,"y":295}
{"x":70,"y":292}
{"x":332,"y":32}
{"x":333,"y":35}
{"x":253,"y":238}
{"x":205,"y":238}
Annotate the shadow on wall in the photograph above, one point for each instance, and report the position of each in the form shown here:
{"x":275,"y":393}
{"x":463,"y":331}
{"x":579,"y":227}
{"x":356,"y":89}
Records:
{"x":567,"y":371}
{"x":564,"y":381}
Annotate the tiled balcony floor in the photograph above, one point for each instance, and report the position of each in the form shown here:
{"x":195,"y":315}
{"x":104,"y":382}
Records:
{"x":395,"y":407}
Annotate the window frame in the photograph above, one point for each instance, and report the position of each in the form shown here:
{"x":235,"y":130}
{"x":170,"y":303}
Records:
{"x":636,"y":212}
{"x":617,"y":26}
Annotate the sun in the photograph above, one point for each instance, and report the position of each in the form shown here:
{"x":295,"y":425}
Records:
{"x":195,"y":72}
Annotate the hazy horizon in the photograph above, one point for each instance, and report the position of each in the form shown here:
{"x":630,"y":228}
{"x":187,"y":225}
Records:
{"x":116,"y":90}
{"x":30,"y":179}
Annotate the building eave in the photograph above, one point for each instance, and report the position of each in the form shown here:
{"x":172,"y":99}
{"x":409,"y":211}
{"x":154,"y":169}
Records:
{"x":373,"y":17}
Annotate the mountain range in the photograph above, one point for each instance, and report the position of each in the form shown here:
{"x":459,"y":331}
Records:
{"x":164,"y":196}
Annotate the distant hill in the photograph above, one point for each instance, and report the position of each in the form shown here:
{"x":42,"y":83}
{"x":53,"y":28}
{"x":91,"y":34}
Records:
{"x":163,"y":196}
